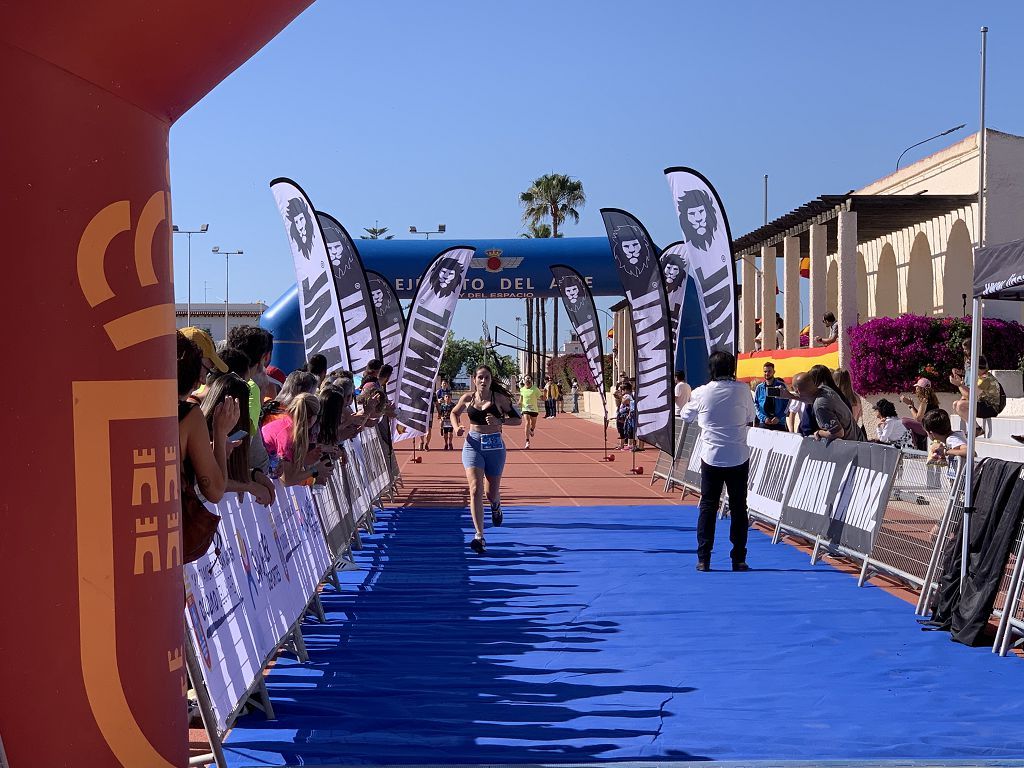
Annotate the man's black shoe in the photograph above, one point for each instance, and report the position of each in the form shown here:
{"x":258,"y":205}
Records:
{"x":703,"y":566}
{"x":740,"y":567}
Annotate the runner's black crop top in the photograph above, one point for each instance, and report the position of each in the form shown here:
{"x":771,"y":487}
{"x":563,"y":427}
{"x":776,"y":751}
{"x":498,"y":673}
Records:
{"x":479,"y":417}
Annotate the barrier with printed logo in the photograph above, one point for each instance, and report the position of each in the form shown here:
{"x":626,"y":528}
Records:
{"x":244,"y":596}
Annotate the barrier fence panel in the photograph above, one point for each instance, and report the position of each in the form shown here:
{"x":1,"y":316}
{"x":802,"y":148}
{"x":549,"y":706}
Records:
{"x":245,"y":596}
{"x":838,"y":493}
{"x":354,"y":484}
{"x":679,"y":474}
{"x":666,"y":463}
{"x":1009,"y":595}
{"x":691,"y":469}
{"x":379,"y":475}
{"x":910,"y":525}
{"x":335,"y":515}
{"x":662,"y":467}
{"x":949,"y":529}
{"x":772,"y":458}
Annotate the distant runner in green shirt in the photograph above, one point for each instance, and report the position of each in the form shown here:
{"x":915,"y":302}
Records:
{"x":529,"y":399}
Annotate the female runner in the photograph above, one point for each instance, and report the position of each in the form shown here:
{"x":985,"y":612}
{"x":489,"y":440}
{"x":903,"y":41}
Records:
{"x":529,"y":396}
{"x":488,"y":406}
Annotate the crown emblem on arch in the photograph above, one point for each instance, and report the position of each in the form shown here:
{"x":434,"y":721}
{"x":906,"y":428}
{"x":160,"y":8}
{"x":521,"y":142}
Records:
{"x":493,"y":261}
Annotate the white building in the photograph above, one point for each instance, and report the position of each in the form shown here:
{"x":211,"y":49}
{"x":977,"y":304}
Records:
{"x":900,"y":244}
{"x":573,"y":347}
{"x":210,"y":316}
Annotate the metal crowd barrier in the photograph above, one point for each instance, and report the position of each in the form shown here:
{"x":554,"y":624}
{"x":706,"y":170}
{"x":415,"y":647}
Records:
{"x":949,"y":528}
{"x":1009,"y":603}
{"x":905,"y":541}
{"x":1009,"y":595}
{"x":680,"y":473}
{"x":341,"y":506}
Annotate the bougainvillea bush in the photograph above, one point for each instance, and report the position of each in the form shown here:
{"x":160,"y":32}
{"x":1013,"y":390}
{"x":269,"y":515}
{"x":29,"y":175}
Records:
{"x":564,"y":368}
{"x":890,"y":353}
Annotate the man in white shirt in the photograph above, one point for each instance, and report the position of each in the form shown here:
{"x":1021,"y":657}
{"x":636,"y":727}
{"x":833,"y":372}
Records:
{"x":682,"y":392}
{"x":724,"y":410}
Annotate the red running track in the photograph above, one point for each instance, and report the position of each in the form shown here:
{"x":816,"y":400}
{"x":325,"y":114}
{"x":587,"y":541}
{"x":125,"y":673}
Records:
{"x":563,"y":467}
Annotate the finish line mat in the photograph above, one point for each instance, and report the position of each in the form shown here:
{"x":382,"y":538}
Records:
{"x":585,"y":635}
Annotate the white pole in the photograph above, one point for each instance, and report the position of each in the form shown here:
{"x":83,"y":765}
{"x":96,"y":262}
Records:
{"x":188,"y":306}
{"x":227,"y":258}
{"x":975,"y":336}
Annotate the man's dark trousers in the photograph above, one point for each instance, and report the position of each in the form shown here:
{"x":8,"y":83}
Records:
{"x":712,"y":479}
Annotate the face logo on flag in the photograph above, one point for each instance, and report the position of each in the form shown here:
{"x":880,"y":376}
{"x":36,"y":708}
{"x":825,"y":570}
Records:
{"x":573,"y":292}
{"x":380,"y":297}
{"x":300,"y":225}
{"x":631,"y":249}
{"x":697,"y":218}
{"x":447,"y":277}
{"x":341,"y":258}
{"x":673,"y":267}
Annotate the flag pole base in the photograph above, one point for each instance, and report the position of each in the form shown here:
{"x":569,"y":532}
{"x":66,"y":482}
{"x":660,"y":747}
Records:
{"x":634,"y":470}
{"x":607,"y":456}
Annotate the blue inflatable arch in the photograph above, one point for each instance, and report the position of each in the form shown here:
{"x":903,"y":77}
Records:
{"x":502,"y":269}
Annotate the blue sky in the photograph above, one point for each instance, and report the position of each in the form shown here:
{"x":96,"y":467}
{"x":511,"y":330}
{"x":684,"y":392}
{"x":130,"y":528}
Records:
{"x":412,"y":113}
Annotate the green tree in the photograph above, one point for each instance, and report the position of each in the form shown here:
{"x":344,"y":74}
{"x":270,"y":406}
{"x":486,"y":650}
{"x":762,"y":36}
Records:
{"x":553,"y":197}
{"x":463,"y":354}
{"x":376,"y":233}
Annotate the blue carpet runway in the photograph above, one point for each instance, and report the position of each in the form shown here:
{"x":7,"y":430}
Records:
{"x":585,"y":635}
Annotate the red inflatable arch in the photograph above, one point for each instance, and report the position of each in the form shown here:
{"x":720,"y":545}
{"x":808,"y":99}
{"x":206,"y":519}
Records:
{"x":91,"y":660}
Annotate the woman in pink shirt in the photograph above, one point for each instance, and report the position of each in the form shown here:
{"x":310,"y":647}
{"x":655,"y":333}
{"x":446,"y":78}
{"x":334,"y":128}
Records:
{"x":291,"y":442}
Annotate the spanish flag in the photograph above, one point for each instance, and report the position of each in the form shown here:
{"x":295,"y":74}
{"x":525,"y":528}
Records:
{"x":611,"y":333}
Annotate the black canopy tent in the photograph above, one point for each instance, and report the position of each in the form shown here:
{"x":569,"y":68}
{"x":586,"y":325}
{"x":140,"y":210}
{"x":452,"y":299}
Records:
{"x":999,"y":271}
{"x":998,"y":274}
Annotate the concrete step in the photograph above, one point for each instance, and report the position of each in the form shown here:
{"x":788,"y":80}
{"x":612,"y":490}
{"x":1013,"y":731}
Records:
{"x":1000,"y":428}
{"x":1008,"y":450}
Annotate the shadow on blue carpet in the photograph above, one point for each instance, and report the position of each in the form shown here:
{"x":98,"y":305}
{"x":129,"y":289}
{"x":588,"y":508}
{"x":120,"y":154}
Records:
{"x":585,"y":635}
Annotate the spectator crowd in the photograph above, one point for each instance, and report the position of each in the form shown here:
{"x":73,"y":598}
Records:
{"x":243,"y":424}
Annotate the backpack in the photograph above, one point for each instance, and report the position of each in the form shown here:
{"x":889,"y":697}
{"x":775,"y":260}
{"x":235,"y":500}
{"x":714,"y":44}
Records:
{"x":1002,"y":397}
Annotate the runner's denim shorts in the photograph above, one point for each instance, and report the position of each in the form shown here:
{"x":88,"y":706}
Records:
{"x":476,"y":456}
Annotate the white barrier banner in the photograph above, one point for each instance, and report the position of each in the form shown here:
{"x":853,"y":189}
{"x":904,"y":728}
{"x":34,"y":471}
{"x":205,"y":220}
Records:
{"x":378,"y":473}
{"x":335,"y":513}
{"x":772,"y":457}
{"x":244,"y":595}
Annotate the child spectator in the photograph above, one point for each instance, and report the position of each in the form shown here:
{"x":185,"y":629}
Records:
{"x":625,"y":419}
{"x":890,"y":429}
{"x":945,"y":443}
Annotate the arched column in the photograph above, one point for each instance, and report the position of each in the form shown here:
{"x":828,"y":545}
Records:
{"x":958,"y":271}
{"x":832,"y":288}
{"x":920,"y":280}
{"x":887,"y":289}
{"x":863,"y":311}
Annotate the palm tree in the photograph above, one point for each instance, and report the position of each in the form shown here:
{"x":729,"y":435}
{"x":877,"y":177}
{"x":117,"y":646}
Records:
{"x":376,"y":233}
{"x":538,"y":230}
{"x":534,"y":307}
{"x":554,"y":197}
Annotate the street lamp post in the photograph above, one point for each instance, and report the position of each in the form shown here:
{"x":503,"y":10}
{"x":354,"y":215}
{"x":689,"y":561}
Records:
{"x":439,"y":231}
{"x":227,"y":269}
{"x":925,"y":141}
{"x":188,"y":233}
